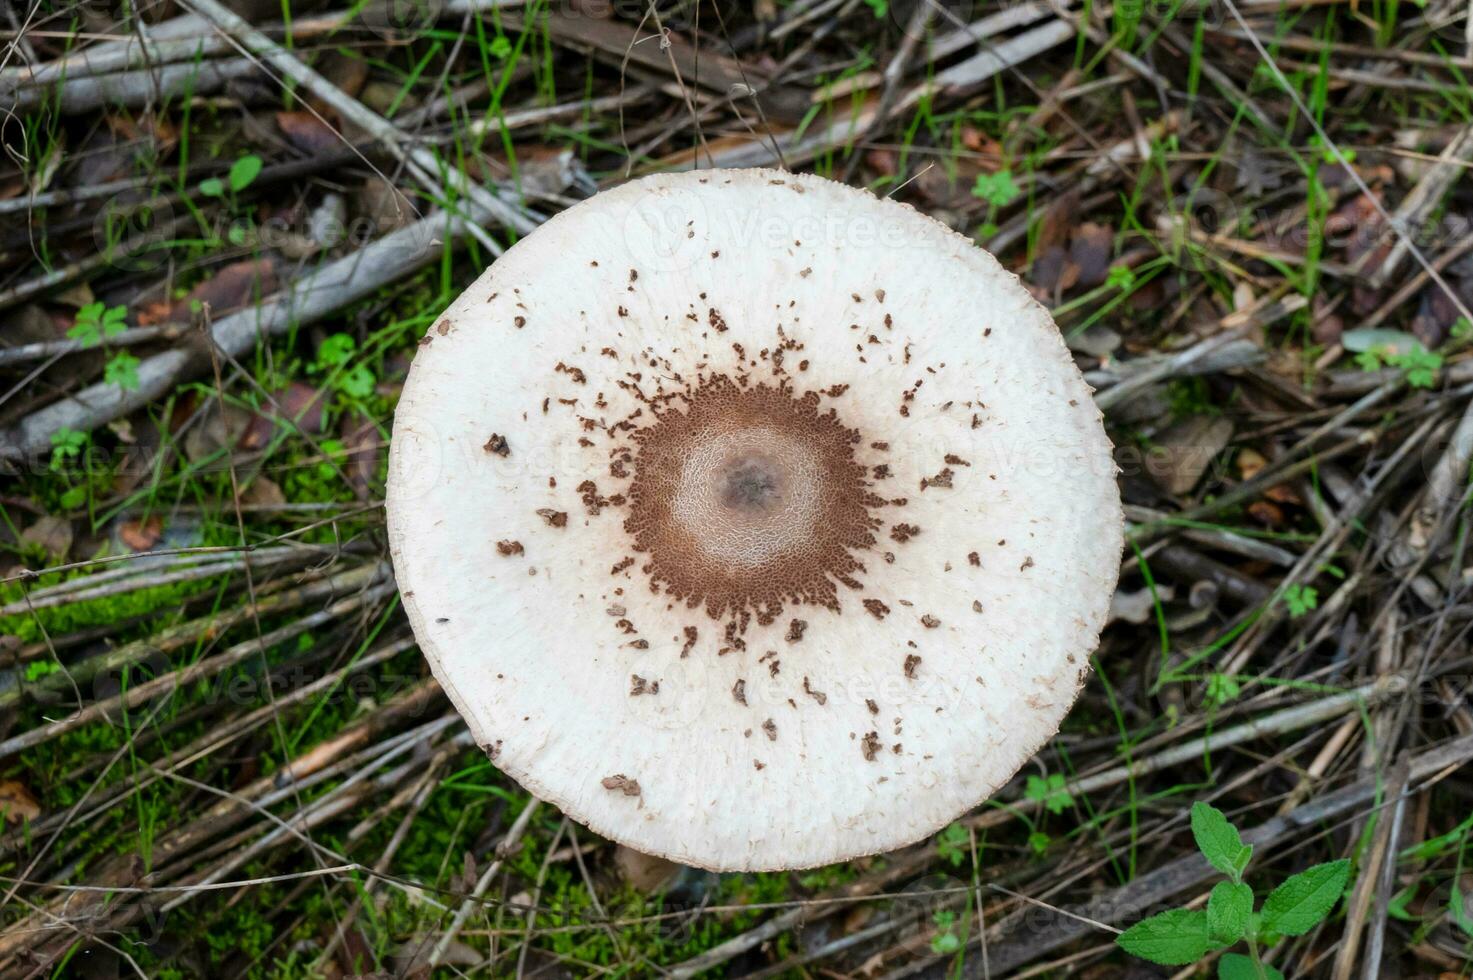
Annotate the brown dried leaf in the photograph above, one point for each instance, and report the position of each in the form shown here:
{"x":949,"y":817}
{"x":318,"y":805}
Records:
{"x":1250,"y":463}
{"x":363,"y":445}
{"x":1053,"y":271}
{"x":644,"y":872}
{"x":262,"y":492}
{"x":308,"y":133}
{"x":1090,"y":250}
{"x":1053,"y":231}
{"x":1267,"y":514}
{"x":233,"y":287}
{"x":17,"y":802}
{"x":141,"y":535}
{"x":53,"y":535}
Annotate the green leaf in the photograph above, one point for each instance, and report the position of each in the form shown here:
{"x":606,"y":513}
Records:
{"x":1052,"y":792}
{"x":335,"y":350}
{"x":1229,"y":908}
{"x":1218,"y":840}
{"x":1172,"y":938}
{"x":1368,"y":360}
{"x":212,"y":187}
{"x":1222,"y":688}
{"x":244,"y":171}
{"x":1397,"y":907}
{"x":1458,"y":906}
{"x":951,"y":842}
{"x":1420,"y":367}
{"x":996,"y":189}
{"x":1236,"y":966}
{"x":1121,"y":277}
{"x":84,"y":333}
{"x":358,"y":383}
{"x":1301,"y":599}
{"x":1298,"y":905}
{"x":37,"y":669}
{"x":88,"y":326}
{"x":122,"y":370}
{"x":65,"y":444}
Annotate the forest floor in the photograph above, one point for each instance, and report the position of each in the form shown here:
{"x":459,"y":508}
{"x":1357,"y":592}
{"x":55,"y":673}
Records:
{"x":221,"y":753}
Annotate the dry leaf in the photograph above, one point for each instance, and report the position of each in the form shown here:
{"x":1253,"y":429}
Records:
{"x":262,"y":492}
{"x":308,"y":133}
{"x":1250,"y":463}
{"x":141,"y":535}
{"x":644,"y":872}
{"x":17,"y":802}
{"x":363,"y":445}
{"x":231,"y":288}
{"x":1090,"y":249}
{"x":53,"y":535}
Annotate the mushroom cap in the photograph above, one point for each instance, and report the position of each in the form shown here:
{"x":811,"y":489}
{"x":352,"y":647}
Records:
{"x":752,"y":520}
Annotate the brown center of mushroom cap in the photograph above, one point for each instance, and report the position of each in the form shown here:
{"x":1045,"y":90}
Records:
{"x":748,"y":497}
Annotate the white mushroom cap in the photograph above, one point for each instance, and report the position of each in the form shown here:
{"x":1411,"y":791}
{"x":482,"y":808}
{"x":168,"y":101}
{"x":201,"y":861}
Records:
{"x":753,"y":521}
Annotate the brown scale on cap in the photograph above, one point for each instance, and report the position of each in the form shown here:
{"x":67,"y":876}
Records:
{"x":749,"y":497}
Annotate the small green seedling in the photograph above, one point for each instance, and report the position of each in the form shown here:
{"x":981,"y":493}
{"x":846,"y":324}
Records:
{"x":1181,"y":936}
{"x":1377,"y":348}
{"x":66,"y":444}
{"x":1121,"y":277}
{"x":1222,"y":688}
{"x":945,"y":941}
{"x":95,"y":322}
{"x":1301,"y":599}
{"x":122,"y":370}
{"x":333,"y":356}
{"x":1049,"y":791}
{"x":243,"y":173}
{"x":997,"y":189}
{"x":951,"y":844}
{"x":1419,"y":365}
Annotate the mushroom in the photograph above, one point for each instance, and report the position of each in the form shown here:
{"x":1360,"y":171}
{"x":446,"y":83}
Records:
{"x":755,"y":522}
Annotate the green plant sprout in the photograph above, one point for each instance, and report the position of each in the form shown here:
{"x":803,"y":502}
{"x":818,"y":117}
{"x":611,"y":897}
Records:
{"x":997,"y":189}
{"x":66,"y":444}
{"x":122,"y":370}
{"x":951,"y":844}
{"x":332,"y":359}
{"x":1301,"y":599}
{"x":945,"y":941}
{"x":1222,"y":688}
{"x":1180,"y":936}
{"x":243,"y":173}
{"x":1121,"y":277}
{"x":1375,"y":349}
{"x":1050,"y":791}
{"x":95,"y":322}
